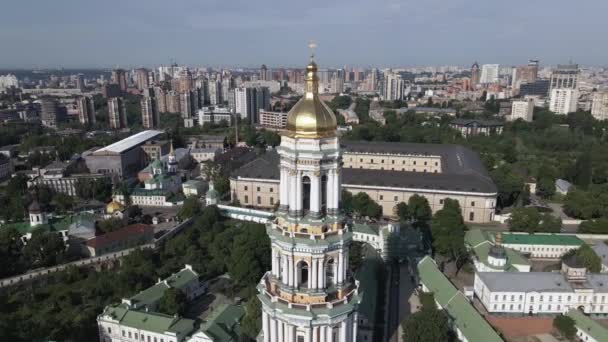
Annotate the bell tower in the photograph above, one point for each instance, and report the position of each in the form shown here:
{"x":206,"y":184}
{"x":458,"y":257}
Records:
{"x":309,"y":295}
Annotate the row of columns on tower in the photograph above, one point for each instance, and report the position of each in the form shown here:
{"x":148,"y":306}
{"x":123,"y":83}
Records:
{"x":291,"y":190}
{"x":276,"y":330}
{"x":321,"y":272}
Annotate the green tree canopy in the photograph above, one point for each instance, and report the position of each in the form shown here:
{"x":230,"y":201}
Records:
{"x":447,"y":230}
{"x":190,"y":208}
{"x":595,"y":226}
{"x":587,"y":256}
{"x":566,"y":326}
{"x":419,"y":208}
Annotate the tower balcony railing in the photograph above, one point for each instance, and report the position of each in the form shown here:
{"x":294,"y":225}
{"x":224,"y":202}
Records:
{"x":272,"y":289}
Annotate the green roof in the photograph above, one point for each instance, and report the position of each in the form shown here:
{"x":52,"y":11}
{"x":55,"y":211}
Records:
{"x":513,"y":257}
{"x":224,"y":323}
{"x":364,"y":229}
{"x":152,"y":295}
{"x":472,"y":325}
{"x":368,"y":286}
{"x":589,"y":326}
{"x":541,"y":239}
{"x":474,"y":237}
{"x":149,"y":321}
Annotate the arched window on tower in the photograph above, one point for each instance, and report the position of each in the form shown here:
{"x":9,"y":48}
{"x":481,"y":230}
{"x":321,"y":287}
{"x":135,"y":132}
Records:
{"x":329,"y":272}
{"x":324,"y":193}
{"x":302,"y":274}
{"x":306,"y":193}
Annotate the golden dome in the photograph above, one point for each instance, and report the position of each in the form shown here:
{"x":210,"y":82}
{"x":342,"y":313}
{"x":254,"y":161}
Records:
{"x":113,"y":207}
{"x":311,"y":117}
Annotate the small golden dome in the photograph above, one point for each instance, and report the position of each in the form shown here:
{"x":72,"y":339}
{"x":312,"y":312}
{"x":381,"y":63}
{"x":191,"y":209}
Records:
{"x":311,"y":117}
{"x":113,"y":207}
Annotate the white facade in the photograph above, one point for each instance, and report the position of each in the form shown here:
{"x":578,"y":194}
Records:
{"x":214,"y":115}
{"x":522,"y":109}
{"x":309,"y":295}
{"x":599,"y":107}
{"x":489,"y":73}
{"x":7,"y":81}
{"x":541,"y":293}
{"x":563,"y":101}
{"x":393,"y":87}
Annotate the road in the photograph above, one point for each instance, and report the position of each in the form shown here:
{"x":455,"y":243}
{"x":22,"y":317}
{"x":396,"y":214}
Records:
{"x":400,"y":290}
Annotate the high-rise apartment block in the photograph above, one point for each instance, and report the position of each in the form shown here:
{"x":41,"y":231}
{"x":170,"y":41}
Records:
{"x":49,"y":112}
{"x":522,"y":109}
{"x":274,"y":120}
{"x":149,"y":109}
{"x":563,"y":100}
{"x":599,"y":107}
{"x":475,"y":74}
{"x":525,"y":73}
{"x":142,"y":79}
{"x":394,"y":87}
{"x":86,"y":110}
{"x":119,"y":76}
{"x":117,"y":113}
{"x":565,"y":77}
{"x":173,"y":102}
{"x":215,"y":92}
{"x":489,"y":73}
{"x":248,"y":101}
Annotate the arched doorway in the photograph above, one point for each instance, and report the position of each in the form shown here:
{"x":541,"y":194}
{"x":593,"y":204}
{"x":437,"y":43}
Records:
{"x":306,"y":193}
{"x":302,"y":273}
{"x":329,"y":272}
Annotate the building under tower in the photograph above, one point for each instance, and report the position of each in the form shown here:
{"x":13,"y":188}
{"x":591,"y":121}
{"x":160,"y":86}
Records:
{"x":309,"y":295}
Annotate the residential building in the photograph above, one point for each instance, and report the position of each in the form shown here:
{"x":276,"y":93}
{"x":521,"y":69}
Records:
{"x":564,"y":77}
{"x":522,"y":109}
{"x":142,"y":79}
{"x":59,"y":177}
{"x":394,"y":86}
{"x":250,"y":100}
{"x":185,"y":104}
{"x":472,"y":127}
{"x":149,"y":110}
{"x":273,"y":120}
{"x":563,"y":100}
{"x":539,"y":87}
{"x":161,"y":99}
{"x":489,"y":74}
{"x":215,"y":92}
{"x":475,"y":75}
{"x":173,"y":102}
{"x":117,"y":113}
{"x":599,"y":107}
{"x":525,"y":73}
{"x":50,"y":113}
{"x":469,"y":325}
{"x":389,"y":173}
{"x":119,"y":77}
{"x":214,"y":114}
{"x":86,"y":110}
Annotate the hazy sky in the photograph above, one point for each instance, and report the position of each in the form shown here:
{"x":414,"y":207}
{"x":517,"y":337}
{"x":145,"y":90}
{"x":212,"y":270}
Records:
{"x":82,"y":33}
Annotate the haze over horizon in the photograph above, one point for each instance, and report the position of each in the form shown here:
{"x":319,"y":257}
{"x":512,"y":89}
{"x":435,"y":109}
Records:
{"x":383,"y":33}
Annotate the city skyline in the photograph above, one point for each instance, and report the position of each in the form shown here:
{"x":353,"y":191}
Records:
{"x":240,"y":33}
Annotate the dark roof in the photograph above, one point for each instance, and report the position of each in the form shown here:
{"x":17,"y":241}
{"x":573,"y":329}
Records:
{"x":481,"y":123}
{"x":120,"y":234}
{"x":455,"y":159}
{"x":34,"y":207}
{"x":463,"y":170}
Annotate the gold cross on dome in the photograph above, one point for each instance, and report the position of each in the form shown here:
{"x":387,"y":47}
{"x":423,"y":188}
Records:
{"x":312,"y":45}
